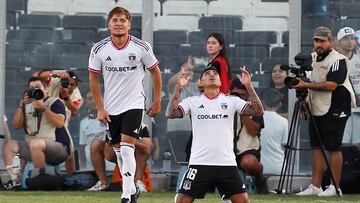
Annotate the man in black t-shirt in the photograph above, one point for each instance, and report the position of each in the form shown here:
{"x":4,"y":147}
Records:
{"x":331,"y":97}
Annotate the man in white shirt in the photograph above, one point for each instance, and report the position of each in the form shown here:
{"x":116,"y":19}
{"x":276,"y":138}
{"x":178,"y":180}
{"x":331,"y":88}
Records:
{"x":346,"y":44}
{"x":212,"y":160}
{"x":275,"y":133}
{"x":122,"y":60}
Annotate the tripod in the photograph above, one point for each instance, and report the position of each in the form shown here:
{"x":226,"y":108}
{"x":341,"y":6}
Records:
{"x":287,"y":170}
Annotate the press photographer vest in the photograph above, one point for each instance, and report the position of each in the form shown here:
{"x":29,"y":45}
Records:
{"x":320,"y":101}
{"x":244,"y":141}
{"x":45,"y":129}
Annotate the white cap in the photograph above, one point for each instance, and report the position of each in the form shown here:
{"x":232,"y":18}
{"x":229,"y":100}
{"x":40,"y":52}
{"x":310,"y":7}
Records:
{"x":345,"y":32}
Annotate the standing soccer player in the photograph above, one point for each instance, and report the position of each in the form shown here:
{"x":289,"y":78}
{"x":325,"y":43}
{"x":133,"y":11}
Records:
{"x":212,"y":160}
{"x":122,"y":60}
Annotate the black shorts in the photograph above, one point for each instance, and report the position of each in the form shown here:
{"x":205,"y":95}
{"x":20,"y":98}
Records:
{"x":200,"y":179}
{"x":254,"y":152}
{"x":144,"y":132}
{"x":331,"y":131}
{"x":127,"y":123}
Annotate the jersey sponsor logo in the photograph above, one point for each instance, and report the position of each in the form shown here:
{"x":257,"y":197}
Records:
{"x":108,"y":58}
{"x":120,"y":69}
{"x":201,"y":106}
{"x":212,"y":116}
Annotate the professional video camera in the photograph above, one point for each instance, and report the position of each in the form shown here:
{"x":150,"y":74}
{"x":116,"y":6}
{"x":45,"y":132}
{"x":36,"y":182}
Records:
{"x":35,"y":93}
{"x":304,"y":63}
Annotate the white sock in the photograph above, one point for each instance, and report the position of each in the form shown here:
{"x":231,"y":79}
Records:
{"x":14,"y":169}
{"x":118,"y":158}
{"x":128,"y":169}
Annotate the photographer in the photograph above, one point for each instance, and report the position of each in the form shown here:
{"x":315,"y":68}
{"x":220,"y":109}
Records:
{"x":331,"y":97}
{"x":246,"y":139}
{"x":47,"y":140}
{"x":63,"y":84}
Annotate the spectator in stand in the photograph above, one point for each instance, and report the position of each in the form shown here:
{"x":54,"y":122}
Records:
{"x":346,"y":45}
{"x":90,"y":129}
{"x":216,"y":49}
{"x":275,"y":133}
{"x":277,"y":81}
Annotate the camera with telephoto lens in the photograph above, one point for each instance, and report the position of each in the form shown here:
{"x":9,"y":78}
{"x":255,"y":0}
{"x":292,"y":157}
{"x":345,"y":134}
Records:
{"x":304,"y":62}
{"x":65,"y":82}
{"x":35,"y":93}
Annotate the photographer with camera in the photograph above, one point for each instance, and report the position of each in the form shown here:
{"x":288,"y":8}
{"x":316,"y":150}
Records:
{"x":63,"y":84}
{"x":47,"y":140}
{"x":331,"y":97}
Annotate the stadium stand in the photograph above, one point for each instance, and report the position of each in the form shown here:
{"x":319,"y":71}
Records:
{"x":10,"y":20}
{"x":189,"y":22}
{"x":75,"y":36}
{"x":29,"y":35}
{"x":254,"y":37}
{"x":220,"y":23}
{"x":277,"y":52}
{"x":193,"y":50}
{"x":83,"y":22}
{"x":200,"y":37}
{"x":259,"y":52}
{"x":136,"y":22}
{"x":344,"y":9}
{"x":170,"y":37}
{"x":166,"y":49}
{"x":310,"y":22}
{"x":351,"y":22}
{"x":16,"y":6}
{"x":238,"y":7}
{"x":265,"y":24}
{"x":39,"y":21}
{"x":178,"y":7}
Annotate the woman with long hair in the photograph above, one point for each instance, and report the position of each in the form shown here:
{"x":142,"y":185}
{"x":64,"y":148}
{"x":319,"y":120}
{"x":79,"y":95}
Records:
{"x":216,"y":49}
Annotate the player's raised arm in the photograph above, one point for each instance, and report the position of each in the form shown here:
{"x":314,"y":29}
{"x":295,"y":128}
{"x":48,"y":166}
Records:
{"x":256,"y":108}
{"x":173,"y":110}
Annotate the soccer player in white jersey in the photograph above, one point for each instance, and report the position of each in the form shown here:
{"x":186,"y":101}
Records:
{"x":212,"y":160}
{"x":123,"y":59}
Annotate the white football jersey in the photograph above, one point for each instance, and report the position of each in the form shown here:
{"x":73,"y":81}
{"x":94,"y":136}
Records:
{"x":123,"y":70}
{"x":213,"y":128}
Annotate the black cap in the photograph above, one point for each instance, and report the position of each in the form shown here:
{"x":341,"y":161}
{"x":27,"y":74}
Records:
{"x":236,"y":83}
{"x":206,"y":69}
{"x":74,"y":75}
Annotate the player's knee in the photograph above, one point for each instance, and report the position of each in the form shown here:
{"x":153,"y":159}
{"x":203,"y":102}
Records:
{"x":181,"y":198}
{"x":96,"y":146}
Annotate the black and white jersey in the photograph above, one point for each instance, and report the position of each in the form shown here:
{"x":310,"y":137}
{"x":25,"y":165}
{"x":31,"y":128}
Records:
{"x":123,"y":70}
{"x":213,"y":128}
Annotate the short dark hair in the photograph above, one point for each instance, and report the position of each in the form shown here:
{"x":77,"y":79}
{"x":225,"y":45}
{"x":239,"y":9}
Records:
{"x":271,"y":97}
{"x":119,"y":10}
{"x":32,"y":79}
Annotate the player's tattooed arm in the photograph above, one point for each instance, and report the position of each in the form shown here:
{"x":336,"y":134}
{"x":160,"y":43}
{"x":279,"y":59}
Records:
{"x":173,"y":110}
{"x":256,"y":108}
